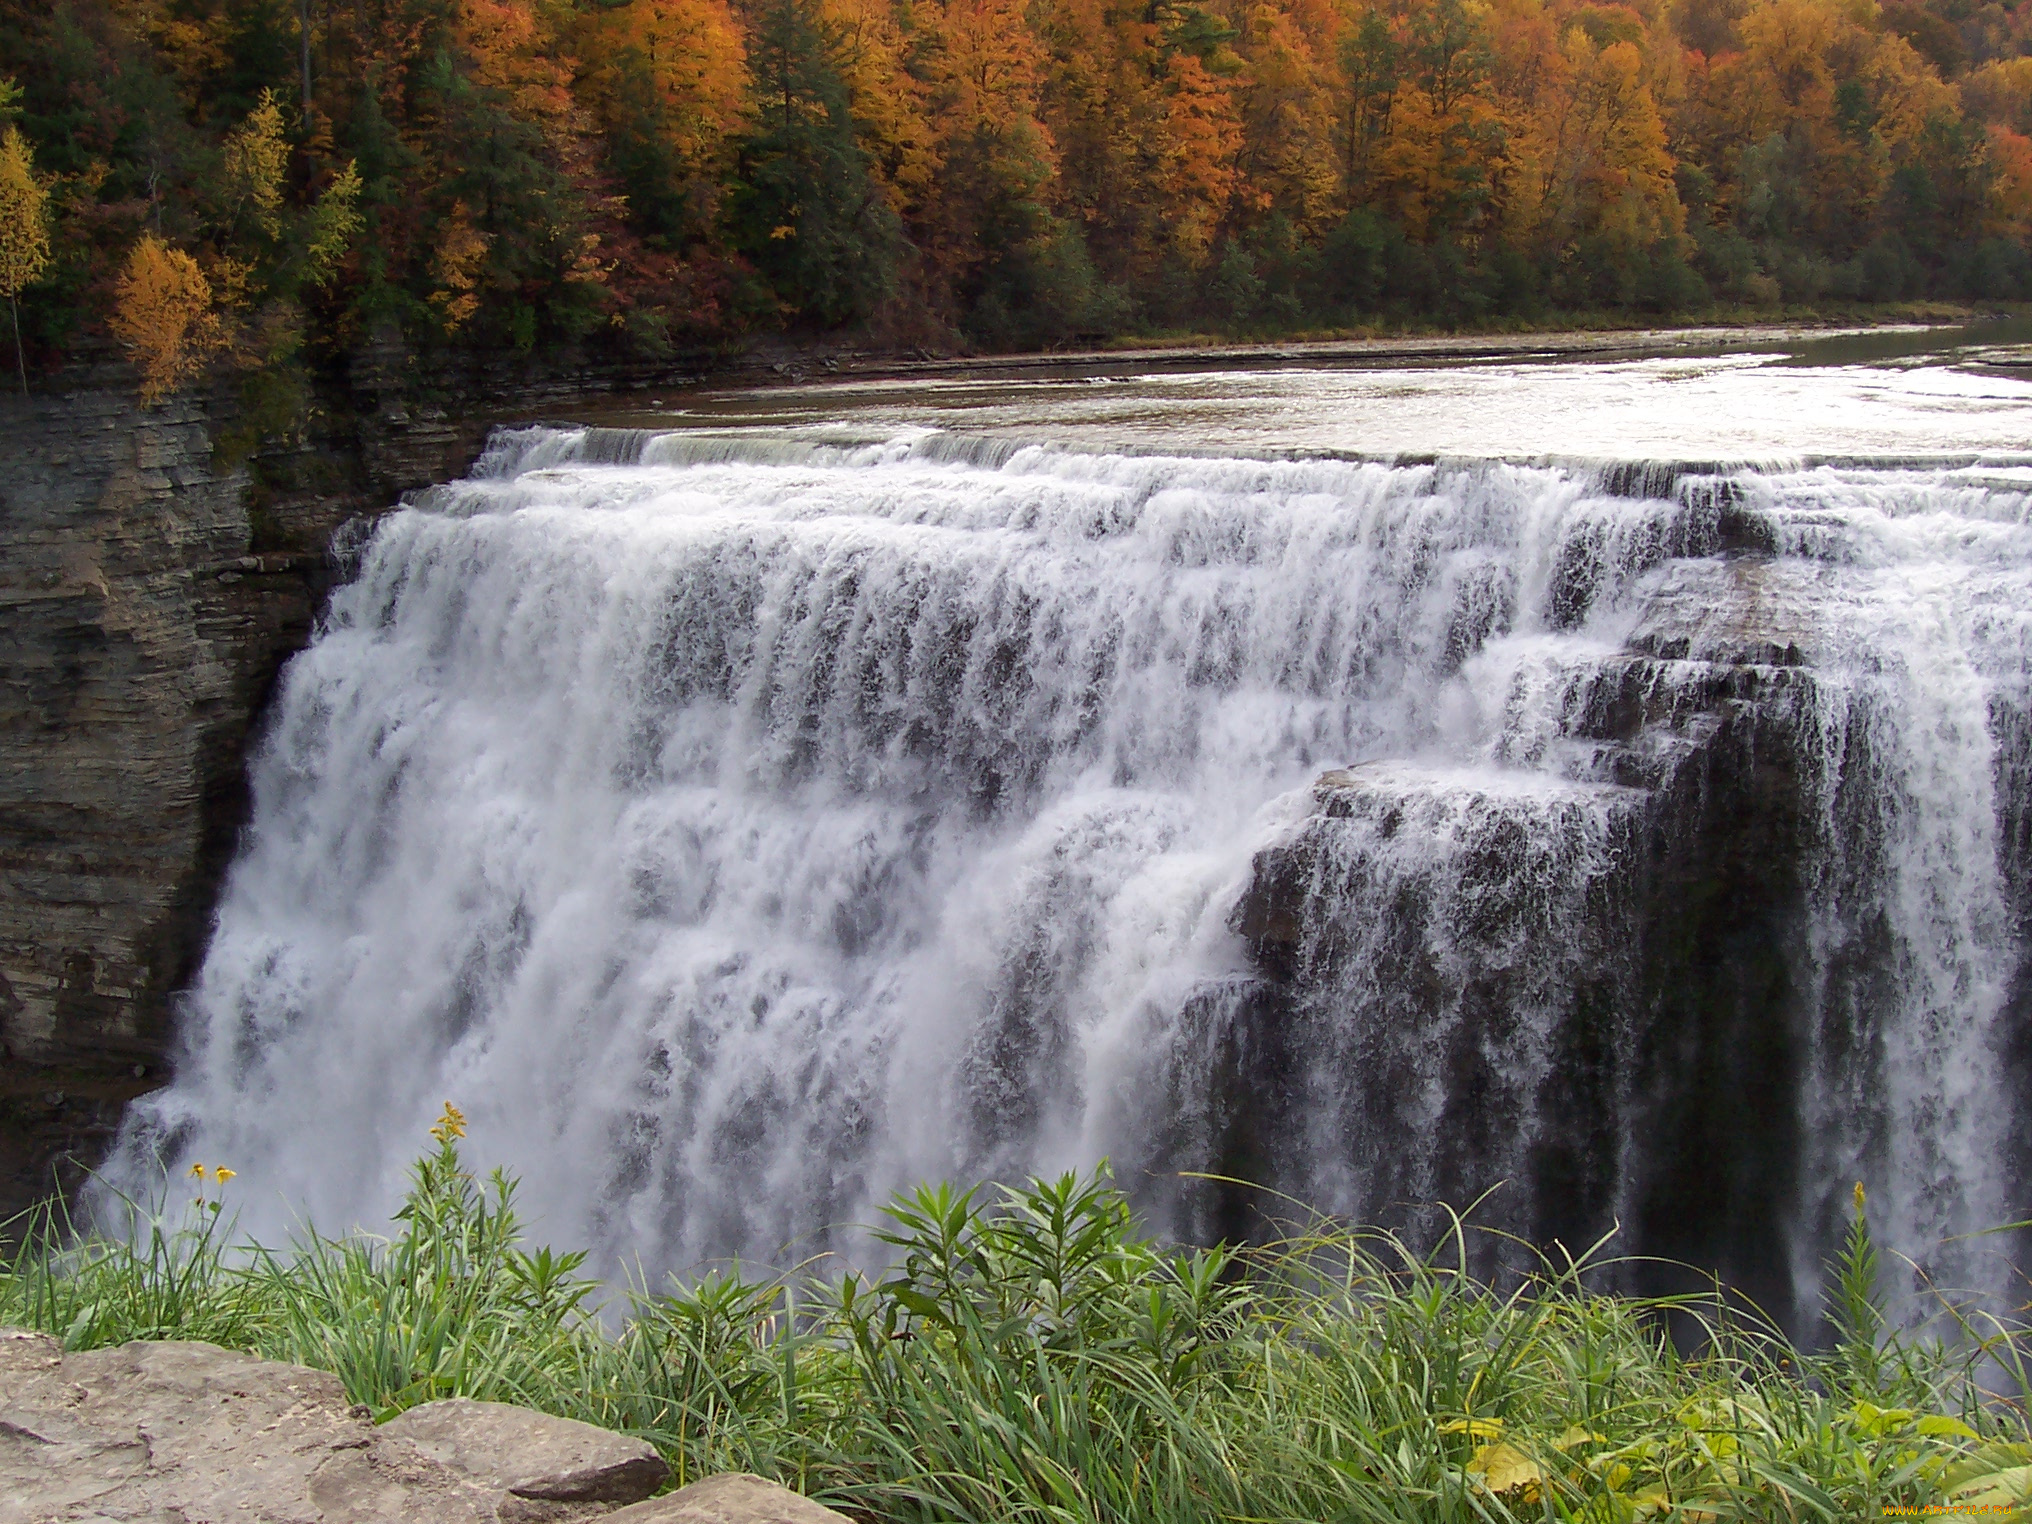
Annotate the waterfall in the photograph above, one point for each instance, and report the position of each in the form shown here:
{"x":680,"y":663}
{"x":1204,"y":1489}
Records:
{"x":739,"y":829}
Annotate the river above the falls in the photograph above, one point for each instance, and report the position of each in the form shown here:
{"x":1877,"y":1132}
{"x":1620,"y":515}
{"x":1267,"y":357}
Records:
{"x":1774,"y":395}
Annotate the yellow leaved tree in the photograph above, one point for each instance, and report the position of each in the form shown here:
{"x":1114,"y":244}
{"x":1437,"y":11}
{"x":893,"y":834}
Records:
{"x":257,"y":155}
{"x":334,"y":223}
{"x":1203,"y":140}
{"x":163,"y":314}
{"x":24,"y":231}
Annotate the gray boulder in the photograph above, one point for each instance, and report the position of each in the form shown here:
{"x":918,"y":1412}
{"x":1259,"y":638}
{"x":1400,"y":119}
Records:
{"x":529,"y":1454}
{"x":151,"y":1430}
{"x":201,"y":1435}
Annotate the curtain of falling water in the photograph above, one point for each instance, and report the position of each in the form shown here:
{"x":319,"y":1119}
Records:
{"x":738,"y":832}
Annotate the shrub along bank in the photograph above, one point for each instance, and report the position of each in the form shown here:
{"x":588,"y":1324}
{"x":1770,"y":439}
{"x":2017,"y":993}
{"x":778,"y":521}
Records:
{"x":1033,"y":1356}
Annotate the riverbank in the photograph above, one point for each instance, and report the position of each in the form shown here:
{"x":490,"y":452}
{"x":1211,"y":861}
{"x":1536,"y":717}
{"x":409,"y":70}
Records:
{"x":1580,"y":326}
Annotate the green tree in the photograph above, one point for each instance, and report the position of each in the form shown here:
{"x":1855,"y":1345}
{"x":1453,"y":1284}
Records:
{"x":1371,"y":61}
{"x":804,"y":208}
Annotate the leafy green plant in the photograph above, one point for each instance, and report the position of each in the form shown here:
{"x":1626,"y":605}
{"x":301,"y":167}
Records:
{"x":450,"y":1306}
{"x":167,"y":1274}
{"x":1856,"y":1307}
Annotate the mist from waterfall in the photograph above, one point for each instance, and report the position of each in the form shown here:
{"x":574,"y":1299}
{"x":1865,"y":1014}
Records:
{"x":740,"y":829}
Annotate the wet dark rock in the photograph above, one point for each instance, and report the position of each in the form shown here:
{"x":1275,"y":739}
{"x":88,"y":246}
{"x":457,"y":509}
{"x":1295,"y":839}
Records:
{"x":1655,"y":1074}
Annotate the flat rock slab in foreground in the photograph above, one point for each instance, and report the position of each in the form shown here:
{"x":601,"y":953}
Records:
{"x":733,"y":1498}
{"x":199,"y":1435}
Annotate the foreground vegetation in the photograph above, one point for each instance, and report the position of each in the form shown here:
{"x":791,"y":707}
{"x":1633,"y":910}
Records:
{"x":1033,"y":1357}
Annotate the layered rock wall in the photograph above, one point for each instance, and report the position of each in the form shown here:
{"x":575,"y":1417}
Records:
{"x":138,"y":631}
{"x":151,"y":587}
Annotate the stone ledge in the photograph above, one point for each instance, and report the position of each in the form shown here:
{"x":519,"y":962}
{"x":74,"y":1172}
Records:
{"x":191,"y":1431}
{"x":529,"y":1454}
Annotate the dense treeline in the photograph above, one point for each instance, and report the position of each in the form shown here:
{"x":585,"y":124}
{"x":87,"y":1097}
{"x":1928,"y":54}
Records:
{"x":265,"y":177}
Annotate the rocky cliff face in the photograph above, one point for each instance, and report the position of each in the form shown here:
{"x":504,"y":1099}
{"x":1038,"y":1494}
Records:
{"x":150,"y":590}
{"x":153,"y":579}
{"x":151,"y":587}
{"x":138,"y":631}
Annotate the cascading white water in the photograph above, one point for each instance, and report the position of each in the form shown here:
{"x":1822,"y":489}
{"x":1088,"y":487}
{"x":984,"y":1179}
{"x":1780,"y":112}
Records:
{"x":1927,"y":628}
{"x":740,"y":831}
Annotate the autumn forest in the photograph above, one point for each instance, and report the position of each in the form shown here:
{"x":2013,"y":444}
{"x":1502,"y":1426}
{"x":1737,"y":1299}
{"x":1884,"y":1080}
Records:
{"x":274,"y":178}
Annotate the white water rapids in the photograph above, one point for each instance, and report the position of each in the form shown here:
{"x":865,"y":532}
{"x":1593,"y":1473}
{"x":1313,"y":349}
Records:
{"x":738,"y":831}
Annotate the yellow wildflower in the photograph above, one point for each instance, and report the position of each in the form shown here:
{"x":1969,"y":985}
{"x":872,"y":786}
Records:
{"x":222,"y":1174}
{"x":198,"y":1170}
{"x":451,"y":1125}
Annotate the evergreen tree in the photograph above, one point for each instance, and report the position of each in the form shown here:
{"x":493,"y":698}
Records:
{"x":804,"y":209}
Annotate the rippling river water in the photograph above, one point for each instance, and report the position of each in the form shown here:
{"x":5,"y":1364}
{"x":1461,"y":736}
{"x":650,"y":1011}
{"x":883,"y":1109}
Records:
{"x":1765,"y":397}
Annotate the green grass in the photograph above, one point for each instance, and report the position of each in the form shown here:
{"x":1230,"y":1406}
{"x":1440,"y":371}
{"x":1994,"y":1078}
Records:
{"x":1032,"y":1356}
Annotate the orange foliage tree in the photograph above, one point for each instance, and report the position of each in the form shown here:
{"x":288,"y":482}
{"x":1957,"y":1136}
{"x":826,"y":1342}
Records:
{"x":163,"y":314}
